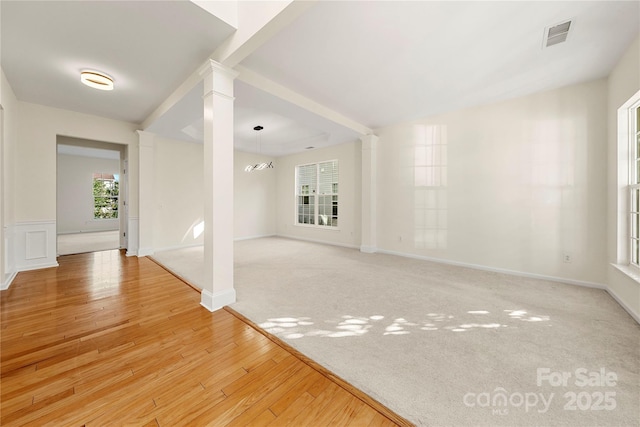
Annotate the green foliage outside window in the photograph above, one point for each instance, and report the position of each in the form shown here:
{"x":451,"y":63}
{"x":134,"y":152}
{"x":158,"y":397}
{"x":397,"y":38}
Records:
{"x":105,"y":196}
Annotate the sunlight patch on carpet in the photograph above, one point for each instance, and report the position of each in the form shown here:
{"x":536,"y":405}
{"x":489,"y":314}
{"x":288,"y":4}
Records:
{"x":353,"y":326}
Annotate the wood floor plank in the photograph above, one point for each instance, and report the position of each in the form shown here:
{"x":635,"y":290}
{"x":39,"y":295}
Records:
{"x":106,"y":339}
{"x":314,"y":412}
{"x":272,"y":393}
{"x":301,"y":402}
{"x":284,"y":402}
{"x":364,"y":416}
{"x":264,"y":419}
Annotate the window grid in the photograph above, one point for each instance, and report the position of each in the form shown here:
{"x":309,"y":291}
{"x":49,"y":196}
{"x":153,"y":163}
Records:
{"x":430,"y":187}
{"x":105,"y":196}
{"x":634,"y":190}
{"x":317,"y":194}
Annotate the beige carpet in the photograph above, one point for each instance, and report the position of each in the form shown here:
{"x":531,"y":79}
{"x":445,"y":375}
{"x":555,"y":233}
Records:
{"x":186,"y":263}
{"x":78,"y":243}
{"x":444,"y":345}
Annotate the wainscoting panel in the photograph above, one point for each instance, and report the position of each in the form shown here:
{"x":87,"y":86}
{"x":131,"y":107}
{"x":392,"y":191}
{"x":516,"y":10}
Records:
{"x":9,"y":257}
{"x":132,"y":236}
{"x":36,"y":242}
{"x":35,"y":245}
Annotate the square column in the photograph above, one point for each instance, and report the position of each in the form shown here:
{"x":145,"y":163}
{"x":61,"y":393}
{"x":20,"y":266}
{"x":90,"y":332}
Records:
{"x":218,"y":290}
{"x":368,"y":242}
{"x":146,"y":193}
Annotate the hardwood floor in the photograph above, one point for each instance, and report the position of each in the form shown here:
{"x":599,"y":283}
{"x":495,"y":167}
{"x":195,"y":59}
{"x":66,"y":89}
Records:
{"x":108,"y":340}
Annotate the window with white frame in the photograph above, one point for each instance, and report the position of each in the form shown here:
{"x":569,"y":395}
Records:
{"x":317,"y":194}
{"x":105,"y":196}
{"x":634,"y":185}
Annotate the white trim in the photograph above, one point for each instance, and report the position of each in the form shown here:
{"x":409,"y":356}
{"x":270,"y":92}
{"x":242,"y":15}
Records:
{"x":173,"y":248}
{"x":39,"y":266}
{"x":316,"y":195}
{"x":369,"y":191}
{"x":145,"y":252}
{"x":239,"y":239}
{"x":499,"y":270}
{"x":214,"y":302}
{"x":256,"y":80}
{"x":65,"y":233}
{"x":620,"y":301}
{"x":34,"y":223}
{"x":10,"y":269}
{"x":624,"y":139}
{"x":324,"y":242}
{"x":368,"y":249}
{"x":34,"y":245}
{"x":5,"y":285}
{"x":132,"y":236}
{"x":211,"y":66}
{"x":317,"y":226}
{"x":629,"y":270}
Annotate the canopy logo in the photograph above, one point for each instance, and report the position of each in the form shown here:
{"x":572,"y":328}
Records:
{"x":594,"y":398}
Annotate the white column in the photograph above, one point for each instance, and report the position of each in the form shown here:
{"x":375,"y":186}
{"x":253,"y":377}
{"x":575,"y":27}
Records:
{"x":369,"y":202}
{"x":146,"y":192}
{"x":3,"y":180}
{"x":217,"y":290}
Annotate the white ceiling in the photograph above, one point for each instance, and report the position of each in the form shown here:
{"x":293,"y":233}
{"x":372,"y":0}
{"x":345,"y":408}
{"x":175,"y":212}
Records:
{"x":287,"y":128}
{"x":385,"y":62}
{"x":377,"y":63}
{"x":148,"y":47}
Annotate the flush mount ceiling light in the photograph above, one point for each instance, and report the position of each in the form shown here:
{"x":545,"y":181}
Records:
{"x":96,"y":80}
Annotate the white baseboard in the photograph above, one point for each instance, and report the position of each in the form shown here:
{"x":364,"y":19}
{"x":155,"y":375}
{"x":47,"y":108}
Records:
{"x":237,"y":239}
{"x":324,"y":242}
{"x":213,"y":302}
{"x":173,"y":248}
{"x":5,"y":285}
{"x":39,"y":266}
{"x":193,"y":245}
{"x":628,"y":309}
{"x":498,"y":270}
{"x":145,"y":252}
{"x":586,"y":284}
{"x":368,"y":249}
{"x":132,"y":236}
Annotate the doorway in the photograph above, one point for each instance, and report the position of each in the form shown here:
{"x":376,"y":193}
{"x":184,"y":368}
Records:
{"x":90,"y":196}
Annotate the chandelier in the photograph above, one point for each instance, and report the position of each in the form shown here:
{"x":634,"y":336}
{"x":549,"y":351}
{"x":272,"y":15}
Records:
{"x":258,"y":166}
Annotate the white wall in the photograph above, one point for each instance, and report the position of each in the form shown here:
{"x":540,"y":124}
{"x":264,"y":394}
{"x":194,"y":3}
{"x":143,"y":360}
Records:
{"x":624,"y":81}
{"x":349,"y":158}
{"x":178,"y":189}
{"x":36,"y":153}
{"x":254,"y":197}
{"x":75,"y":196}
{"x":7,"y":186}
{"x":34,"y":162}
{"x":516,"y":185}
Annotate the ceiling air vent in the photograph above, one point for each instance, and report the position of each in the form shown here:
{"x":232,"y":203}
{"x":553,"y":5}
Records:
{"x":556,"y":34}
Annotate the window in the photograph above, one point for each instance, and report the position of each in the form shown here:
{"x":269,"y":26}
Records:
{"x":317,"y":194}
{"x":634,"y":186}
{"x":105,"y":196}
{"x":430,"y":186}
